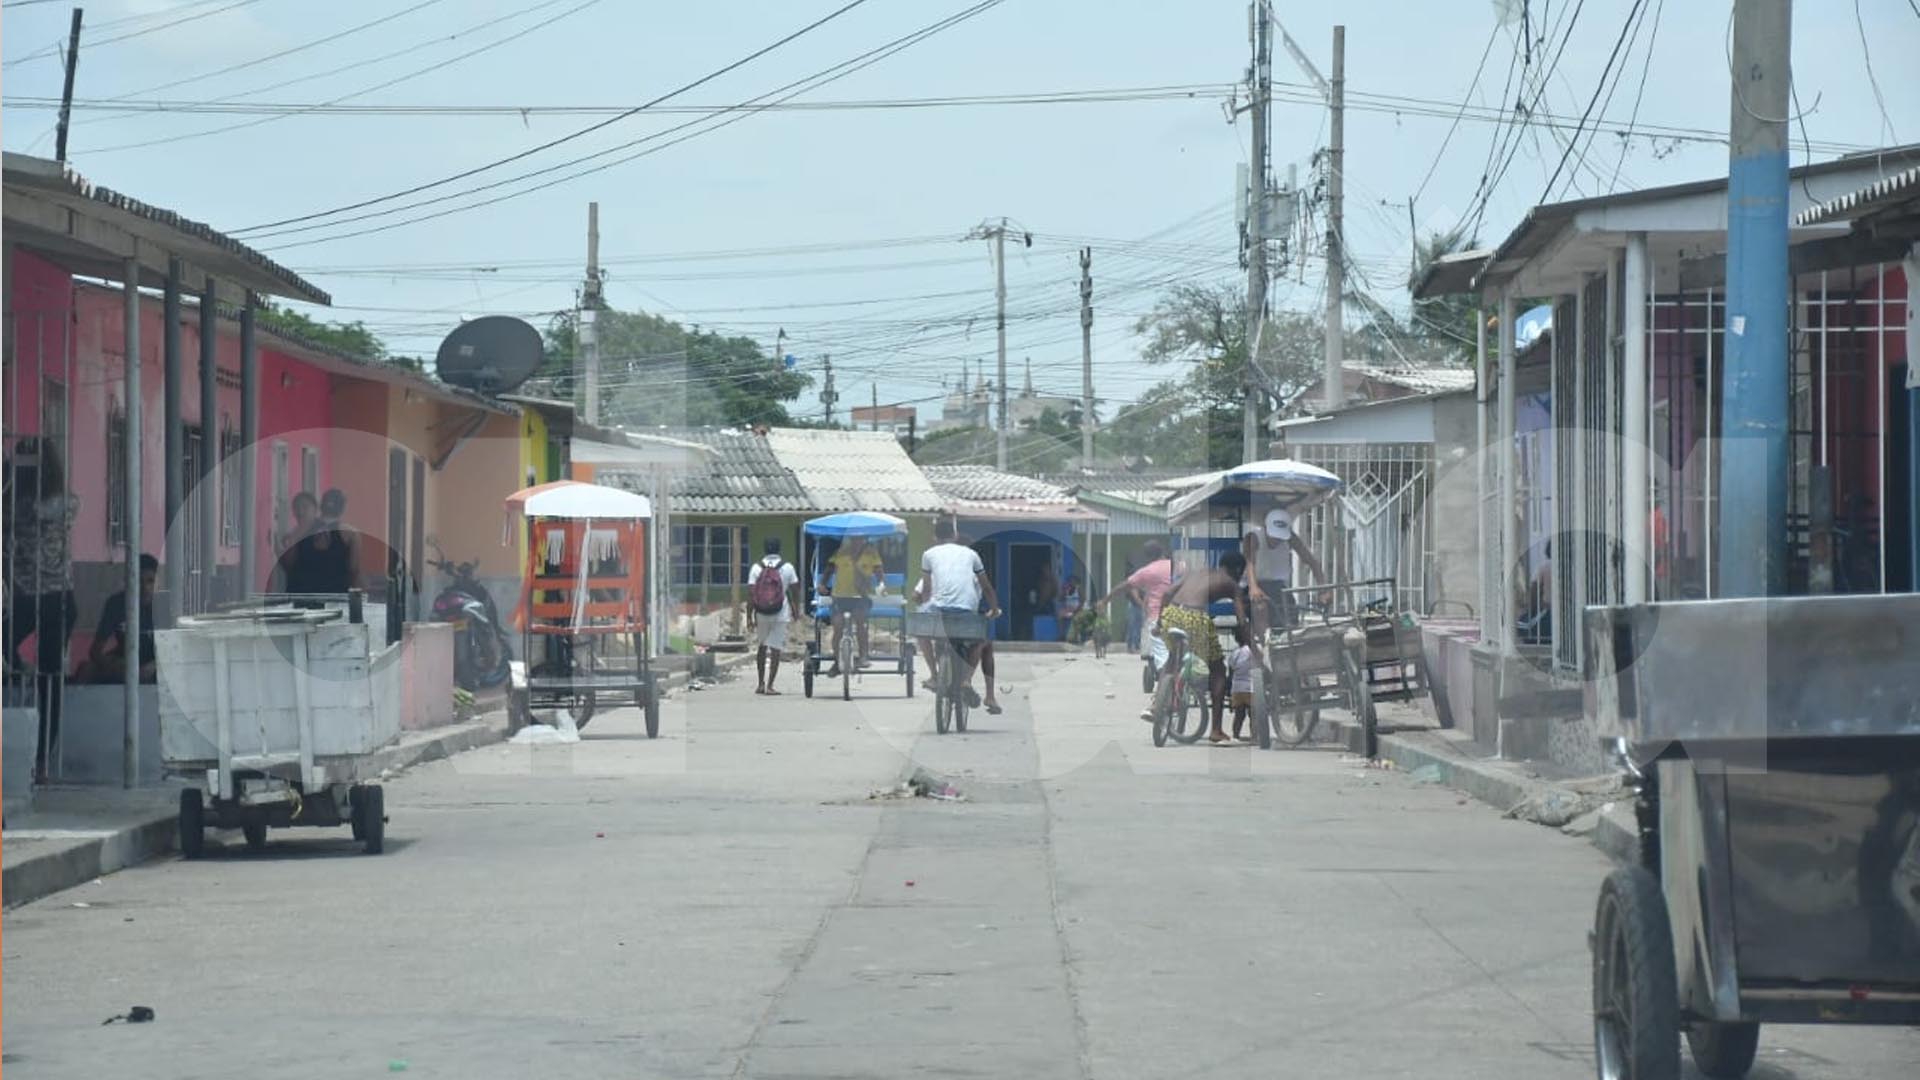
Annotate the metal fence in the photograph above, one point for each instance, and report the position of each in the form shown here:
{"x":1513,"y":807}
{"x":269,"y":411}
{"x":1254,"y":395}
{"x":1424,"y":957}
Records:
{"x":1379,"y":526}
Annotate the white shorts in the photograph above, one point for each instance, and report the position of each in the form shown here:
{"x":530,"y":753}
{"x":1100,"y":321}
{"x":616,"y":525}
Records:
{"x":770,"y":633}
{"x":1156,"y":647}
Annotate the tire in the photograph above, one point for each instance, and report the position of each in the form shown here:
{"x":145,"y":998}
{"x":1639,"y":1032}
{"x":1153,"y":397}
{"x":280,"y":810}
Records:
{"x":1636,"y":1000}
{"x":1189,"y":719}
{"x":907,"y":653}
{"x":583,"y":710}
{"x":652,"y":710}
{"x":1162,"y":713}
{"x":806,"y":673}
{"x":1147,"y":674}
{"x":1293,"y":721}
{"x":843,"y":658}
{"x":370,"y":813}
{"x":960,"y":716}
{"x":193,"y":824}
{"x":941,"y":717}
{"x":256,"y":834}
{"x":1354,"y":675}
{"x":1261,"y":721}
{"x":1723,"y":1051}
{"x":491,"y":655}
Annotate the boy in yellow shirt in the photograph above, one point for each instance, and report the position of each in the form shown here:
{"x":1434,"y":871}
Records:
{"x":852,"y":575}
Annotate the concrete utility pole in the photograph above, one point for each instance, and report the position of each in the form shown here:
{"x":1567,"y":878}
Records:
{"x":1753,"y":450}
{"x":1086,"y":357}
{"x":1336,"y":331}
{"x":875,"y":388}
{"x":1261,"y":76}
{"x":130,"y":517}
{"x":66,"y":90}
{"x":828,"y":395}
{"x":998,"y":234}
{"x":590,"y":301}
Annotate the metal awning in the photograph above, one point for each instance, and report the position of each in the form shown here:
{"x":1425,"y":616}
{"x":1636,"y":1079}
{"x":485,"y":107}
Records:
{"x":91,"y":231}
{"x":1884,"y":194}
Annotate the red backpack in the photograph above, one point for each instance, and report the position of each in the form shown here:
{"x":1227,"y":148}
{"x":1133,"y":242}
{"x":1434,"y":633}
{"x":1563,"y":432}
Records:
{"x":769,"y":593}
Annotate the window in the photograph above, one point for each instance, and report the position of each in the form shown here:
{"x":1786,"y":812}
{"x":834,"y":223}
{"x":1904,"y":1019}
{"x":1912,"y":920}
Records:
{"x":310,"y":470}
{"x":53,"y":415}
{"x":707,"y":554}
{"x":117,"y":476}
{"x":229,"y":485}
{"x":282,"y":497}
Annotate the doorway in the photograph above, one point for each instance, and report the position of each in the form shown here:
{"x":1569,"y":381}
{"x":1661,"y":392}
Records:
{"x":1034,"y":586}
{"x":1898,"y":514}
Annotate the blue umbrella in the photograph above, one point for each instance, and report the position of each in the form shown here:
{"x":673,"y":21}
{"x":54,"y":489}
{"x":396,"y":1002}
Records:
{"x":855,"y":523}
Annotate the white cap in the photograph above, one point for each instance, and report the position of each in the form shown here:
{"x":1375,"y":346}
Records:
{"x":1279,"y":524}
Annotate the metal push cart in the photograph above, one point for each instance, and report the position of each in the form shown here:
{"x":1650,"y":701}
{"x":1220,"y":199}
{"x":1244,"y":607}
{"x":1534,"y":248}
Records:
{"x":891,"y":607}
{"x":1774,"y":745}
{"x":273,"y":713}
{"x":584,"y":602}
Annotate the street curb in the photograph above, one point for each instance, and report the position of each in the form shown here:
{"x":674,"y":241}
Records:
{"x":39,"y":876}
{"x":1615,"y":831}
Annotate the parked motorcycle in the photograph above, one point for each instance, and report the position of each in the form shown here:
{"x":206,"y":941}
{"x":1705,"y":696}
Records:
{"x":480,"y":649}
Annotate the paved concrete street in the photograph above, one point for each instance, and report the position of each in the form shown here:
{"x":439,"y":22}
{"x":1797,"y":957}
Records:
{"x":726,"y":902}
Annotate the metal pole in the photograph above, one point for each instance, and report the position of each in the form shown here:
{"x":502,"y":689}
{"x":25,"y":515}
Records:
{"x":1086,"y":357}
{"x":1755,"y":374}
{"x":130,"y":730}
{"x":1000,"y":324}
{"x":1480,"y":468}
{"x":174,"y":540}
{"x":249,"y":451}
{"x":1336,"y":240}
{"x":589,"y":329}
{"x":208,"y":480}
{"x":1257,"y":230}
{"x":1636,"y":526}
{"x":1509,"y":478}
{"x":66,"y":90}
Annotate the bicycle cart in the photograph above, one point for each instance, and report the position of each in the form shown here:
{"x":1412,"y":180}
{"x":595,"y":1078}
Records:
{"x":954,"y":633}
{"x":1363,"y":650}
{"x":583,"y":601}
{"x":274,"y":713}
{"x":1774,"y":748}
{"x":887,"y":607}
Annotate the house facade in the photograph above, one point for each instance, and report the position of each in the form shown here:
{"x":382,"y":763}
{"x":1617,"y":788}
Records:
{"x":1025,"y":532}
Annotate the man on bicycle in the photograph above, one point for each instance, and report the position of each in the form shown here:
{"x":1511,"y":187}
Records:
{"x":953,"y":581}
{"x":1186,"y":610}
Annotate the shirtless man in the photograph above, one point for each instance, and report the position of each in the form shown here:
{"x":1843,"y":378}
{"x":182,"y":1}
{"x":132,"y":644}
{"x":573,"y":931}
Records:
{"x":1186,"y":610}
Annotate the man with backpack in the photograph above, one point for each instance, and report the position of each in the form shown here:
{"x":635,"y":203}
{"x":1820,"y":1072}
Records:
{"x":773,"y":595}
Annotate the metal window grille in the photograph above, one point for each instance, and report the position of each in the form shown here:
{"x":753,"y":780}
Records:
{"x":1566,"y":430}
{"x":229,"y":485}
{"x":1379,"y":526}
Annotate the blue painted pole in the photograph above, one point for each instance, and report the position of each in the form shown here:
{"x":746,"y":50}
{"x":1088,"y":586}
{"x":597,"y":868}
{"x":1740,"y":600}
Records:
{"x":1753,"y":451}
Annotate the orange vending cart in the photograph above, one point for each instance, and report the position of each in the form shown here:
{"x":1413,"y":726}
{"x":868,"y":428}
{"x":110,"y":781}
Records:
{"x":583,"y":605}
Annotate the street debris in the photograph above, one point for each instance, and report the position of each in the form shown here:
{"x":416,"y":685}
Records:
{"x":1552,"y":807}
{"x":921,"y":785}
{"x":562,"y":730}
{"x":139,"y":1014}
{"x":1426,"y":774}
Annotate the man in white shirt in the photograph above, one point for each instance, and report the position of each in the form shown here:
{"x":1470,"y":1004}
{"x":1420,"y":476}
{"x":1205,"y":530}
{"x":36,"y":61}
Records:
{"x":953,"y":580}
{"x":1269,"y":550}
{"x":770,"y":628}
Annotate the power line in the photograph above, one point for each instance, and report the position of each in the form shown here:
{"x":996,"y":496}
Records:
{"x":1465,"y":100}
{"x":581,"y":133}
{"x":1632,"y":21}
{"x":1646,"y":62}
{"x":54,"y":49}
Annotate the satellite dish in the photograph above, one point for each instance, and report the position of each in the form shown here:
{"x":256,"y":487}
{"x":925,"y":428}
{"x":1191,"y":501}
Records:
{"x":491,"y":354}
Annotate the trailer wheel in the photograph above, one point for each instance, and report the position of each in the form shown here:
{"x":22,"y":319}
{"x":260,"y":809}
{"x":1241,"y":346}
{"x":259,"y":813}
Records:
{"x":653,"y":715}
{"x":256,"y":834}
{"x":193,"y":824}
{"x":370,"y":819}
{"x":1636,"y":1011}
{"x":806,"y":675}
{"x":1724,"y":1051}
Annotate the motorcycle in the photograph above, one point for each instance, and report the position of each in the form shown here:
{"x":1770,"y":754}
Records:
{"x":480,"y":650}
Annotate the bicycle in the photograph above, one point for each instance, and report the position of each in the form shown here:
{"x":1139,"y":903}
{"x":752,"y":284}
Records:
{"x":950,"y":683}
{"x":843,"y":652}
{"x":1179,"y":708}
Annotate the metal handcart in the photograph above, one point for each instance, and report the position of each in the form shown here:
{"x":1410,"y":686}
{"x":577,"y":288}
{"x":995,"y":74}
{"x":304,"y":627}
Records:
{"x":890,"y":607}
{"x":583,"y":603}
{"x":273,"y":711}
{"x":1774,"y":749}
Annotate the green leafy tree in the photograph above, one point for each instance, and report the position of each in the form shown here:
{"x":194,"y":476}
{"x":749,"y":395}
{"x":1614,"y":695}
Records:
{"x":350,"y":338}
{"x":1444,"y":324}
{"x":655,"y":372}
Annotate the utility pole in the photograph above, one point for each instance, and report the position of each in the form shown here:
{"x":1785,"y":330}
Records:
{"x":66,"y":90}
{"x":1261,"y":76}
{"x":998,"y":234}
{"x":828,"y":395}
{"x":1336,"y":330}
{"x":1086,"y":357}
{"x":1753,"y":452}
{"x":590,"y":301}
{"x":875,"y":387}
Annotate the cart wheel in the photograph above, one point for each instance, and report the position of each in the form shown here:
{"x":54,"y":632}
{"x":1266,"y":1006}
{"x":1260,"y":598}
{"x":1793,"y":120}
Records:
{"x":907,"y":653}
{"x":941,"y":717}
{"x":1636,"y":1010}
{"x":256,"y":834}
{"x":1293,"y":721}
{"x":582,"y":710}
{"x":1723,"y":1051}
{"x":653,"y":716}
{"x":193,"y":824}
{"x":806,"y":674}
{"x":370,"y":818}
{"x":1147,"y":676}
{"x":1261,"y":721}
{"x":1360,"y":695}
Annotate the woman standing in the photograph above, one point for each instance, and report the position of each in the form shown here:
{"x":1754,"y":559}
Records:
{"x":39,"y":531}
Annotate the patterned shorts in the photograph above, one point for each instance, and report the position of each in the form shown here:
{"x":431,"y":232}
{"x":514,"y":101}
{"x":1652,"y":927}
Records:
{"x":1203,"y":640}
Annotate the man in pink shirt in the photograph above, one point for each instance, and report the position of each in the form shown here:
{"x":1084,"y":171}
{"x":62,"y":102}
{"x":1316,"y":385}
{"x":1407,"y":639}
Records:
{"x":1147,"y":586}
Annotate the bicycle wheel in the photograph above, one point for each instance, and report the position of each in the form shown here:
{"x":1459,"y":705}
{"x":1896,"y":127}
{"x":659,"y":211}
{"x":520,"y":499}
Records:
{"x":1288,"y":708}
{"x":1189,"y":720}
{"x":1162,"y":712}
{"x":843,"y":656}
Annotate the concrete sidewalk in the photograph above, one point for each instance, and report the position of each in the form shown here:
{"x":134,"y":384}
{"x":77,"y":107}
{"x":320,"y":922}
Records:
{"x":73,"y":835}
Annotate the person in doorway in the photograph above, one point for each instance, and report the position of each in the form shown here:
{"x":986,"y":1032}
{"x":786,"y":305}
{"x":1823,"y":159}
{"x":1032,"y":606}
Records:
{"x":39,"y":576}
{"x":1269,"y":550}
{"x":1241,"y":667}
{"x":288,"y":573}
{"x":852,"y":575}
{"x":329,"y":554}
{"x":770,"y":612}
{"x":107,"y":656}
{"x":954,"y":581}
{"x":1186,"y":610}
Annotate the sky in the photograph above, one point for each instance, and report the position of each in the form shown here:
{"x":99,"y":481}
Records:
{"x":847,"y":227}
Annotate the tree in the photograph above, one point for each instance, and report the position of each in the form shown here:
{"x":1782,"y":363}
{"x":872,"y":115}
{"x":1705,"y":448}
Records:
{"x":349,"y":338}
{"x":655,"y":372}
{"x":1444,"y":323}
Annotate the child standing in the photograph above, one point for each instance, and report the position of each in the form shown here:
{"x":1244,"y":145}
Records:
{"x":1241,"y":665}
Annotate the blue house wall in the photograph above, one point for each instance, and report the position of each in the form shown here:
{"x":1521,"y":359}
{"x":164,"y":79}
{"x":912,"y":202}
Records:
{"x":1004,"y":535}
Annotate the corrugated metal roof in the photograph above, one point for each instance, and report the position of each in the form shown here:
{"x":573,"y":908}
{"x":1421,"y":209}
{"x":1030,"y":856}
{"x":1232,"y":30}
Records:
{"x":744,"y":476}
{"x":1421,"y":380}
{"x":981,"y":482}
{"x":1887,"y":192}
{"x":855,"y":470}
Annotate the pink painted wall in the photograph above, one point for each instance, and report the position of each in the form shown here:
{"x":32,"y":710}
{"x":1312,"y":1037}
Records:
{"x":41,"y":305}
